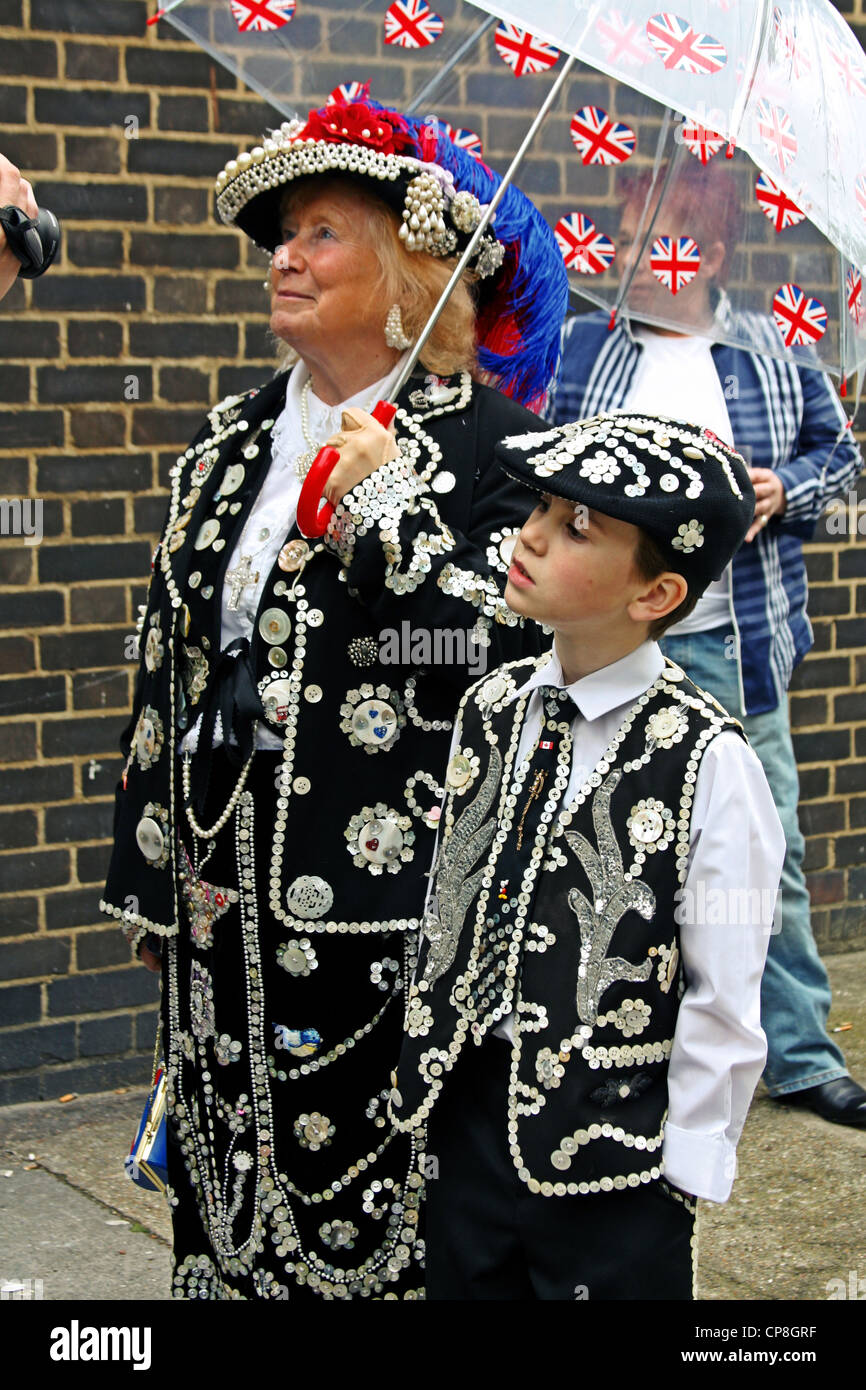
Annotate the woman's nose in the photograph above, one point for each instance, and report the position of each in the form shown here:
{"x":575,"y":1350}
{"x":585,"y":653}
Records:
{"x":288,"y":256}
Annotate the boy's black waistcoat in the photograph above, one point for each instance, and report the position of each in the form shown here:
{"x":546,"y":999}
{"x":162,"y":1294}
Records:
{"x":594,"y":976}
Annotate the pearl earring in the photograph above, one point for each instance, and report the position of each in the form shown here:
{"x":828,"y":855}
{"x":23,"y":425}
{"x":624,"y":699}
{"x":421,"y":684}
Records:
{"x":395,"y":334}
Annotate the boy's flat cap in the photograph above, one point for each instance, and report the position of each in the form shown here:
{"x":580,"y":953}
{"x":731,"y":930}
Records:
{"x":678,"y":482}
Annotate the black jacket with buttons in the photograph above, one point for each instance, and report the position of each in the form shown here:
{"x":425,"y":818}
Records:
{"x":409,"y":593}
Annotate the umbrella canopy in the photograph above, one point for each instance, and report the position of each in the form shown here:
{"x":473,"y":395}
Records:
{"x":658,"y":96}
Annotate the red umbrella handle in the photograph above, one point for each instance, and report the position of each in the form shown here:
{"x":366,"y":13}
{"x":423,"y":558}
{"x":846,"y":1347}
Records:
{"x":313,"y":519}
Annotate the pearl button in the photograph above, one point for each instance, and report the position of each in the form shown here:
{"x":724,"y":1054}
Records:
{"x":207,"y":533}
{"x":374,"y":722}
{"x":444,"y":482}
{"x":232,"y":480}
{"x":275,"y":625}
{"x":313,"y":694}
{"x":149,"y":838}
{"x":459,"y":771}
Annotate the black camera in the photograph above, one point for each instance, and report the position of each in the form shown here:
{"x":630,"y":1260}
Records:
{"x":34,"y":240}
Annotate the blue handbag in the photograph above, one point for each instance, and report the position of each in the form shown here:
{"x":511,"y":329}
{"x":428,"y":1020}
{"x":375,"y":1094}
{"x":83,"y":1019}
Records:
{"x":146,"y":1163}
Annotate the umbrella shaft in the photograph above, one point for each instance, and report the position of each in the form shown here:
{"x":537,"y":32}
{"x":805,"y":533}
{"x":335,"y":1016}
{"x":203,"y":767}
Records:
{"x":486,"y":219}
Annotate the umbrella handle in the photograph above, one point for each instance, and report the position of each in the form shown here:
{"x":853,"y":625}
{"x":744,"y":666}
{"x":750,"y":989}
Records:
{"x":312,"y":519}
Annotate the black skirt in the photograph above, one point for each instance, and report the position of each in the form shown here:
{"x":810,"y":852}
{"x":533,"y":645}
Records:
{"x":286,"y":1178}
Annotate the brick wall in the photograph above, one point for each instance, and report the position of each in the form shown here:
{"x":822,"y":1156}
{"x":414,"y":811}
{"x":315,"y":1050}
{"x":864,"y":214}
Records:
{"x":106,"y":363}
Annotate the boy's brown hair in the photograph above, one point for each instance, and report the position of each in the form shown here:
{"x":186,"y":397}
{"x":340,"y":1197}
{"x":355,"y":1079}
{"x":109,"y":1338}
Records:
{"x":651,"y":561}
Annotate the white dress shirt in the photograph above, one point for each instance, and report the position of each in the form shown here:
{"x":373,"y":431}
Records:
{"x":676,"y":376}
{"x":737,"y":844}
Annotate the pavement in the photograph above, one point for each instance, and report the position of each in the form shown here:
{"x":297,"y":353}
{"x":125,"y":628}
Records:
{"x":795,"y":1227}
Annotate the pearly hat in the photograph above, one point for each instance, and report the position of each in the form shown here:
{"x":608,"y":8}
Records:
{"x":678,"y":482}
{"x":439,"y":192}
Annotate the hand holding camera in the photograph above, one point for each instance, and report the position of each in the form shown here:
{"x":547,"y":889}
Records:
{"x":29,"y":235}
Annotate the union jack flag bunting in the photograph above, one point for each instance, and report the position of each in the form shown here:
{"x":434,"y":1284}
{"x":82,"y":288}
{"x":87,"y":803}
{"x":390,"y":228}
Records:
{"x":583,"y":247}
{"x":348,"y":91}
{"x":794,"y":53}
{"x":681,"y":48}
{"x":850,"y":68}
{"x":703,"y":143}
{"x":522,"y":51}
{"x":624,"y":41}
{"x":464,"y":140}
{"x":675,"y":261}
{"x":776,"y":205}
{"x":854,"y":293}
{"x":860,"y":193}
{"x":256,"y":16}
{"x":599,"y":139}
{"x":799,"y":318}
{"x":776,"y":132}
{"x":412,"y":24}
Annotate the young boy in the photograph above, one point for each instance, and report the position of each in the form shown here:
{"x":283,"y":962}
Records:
{"x":583,"y":1032}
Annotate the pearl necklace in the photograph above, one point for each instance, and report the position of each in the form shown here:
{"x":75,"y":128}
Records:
{"x":197,"y":830}
{"x":304,"y":461}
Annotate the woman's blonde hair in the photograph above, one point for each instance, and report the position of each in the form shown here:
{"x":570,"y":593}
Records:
{"x":412,"y":279}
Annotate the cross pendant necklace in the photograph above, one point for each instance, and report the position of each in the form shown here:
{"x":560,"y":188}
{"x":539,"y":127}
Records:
{"x":239,"y":579}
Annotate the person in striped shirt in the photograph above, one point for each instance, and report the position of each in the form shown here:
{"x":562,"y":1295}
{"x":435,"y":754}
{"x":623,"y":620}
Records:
{"x":751,"y":628}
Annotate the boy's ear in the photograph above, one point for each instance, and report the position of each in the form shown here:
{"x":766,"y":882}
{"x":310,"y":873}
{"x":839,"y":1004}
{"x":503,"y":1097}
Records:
{"x":658,"y":597}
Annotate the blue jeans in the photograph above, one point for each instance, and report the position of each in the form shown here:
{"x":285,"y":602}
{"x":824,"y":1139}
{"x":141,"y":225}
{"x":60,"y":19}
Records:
{"x":795,"y":993}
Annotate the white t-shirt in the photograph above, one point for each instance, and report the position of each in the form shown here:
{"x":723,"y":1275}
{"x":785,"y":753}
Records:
{"x":676,"y":376}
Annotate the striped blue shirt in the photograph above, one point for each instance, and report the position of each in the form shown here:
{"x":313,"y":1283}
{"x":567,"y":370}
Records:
{"x":783,"y":416}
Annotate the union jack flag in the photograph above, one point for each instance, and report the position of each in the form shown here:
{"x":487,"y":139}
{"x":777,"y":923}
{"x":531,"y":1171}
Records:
{"x":777,"y":133}
{"x":522,"y":52}
{"x":799,"y":319}
{"x":583,"y":247}
{"x":681,"y":48}
{"x":854,"y":290}
{"x":411,"y":24}
{"x":624,"y":41}
{"x":599,"y":139}
{"x":348,"y":91}
{"x":776,"y":205}
{"x":860,"y":194}
{"x":703,"y":143}
{"x":851,"y":70}
{"x":794,"y":52}
{"x":675,"y":261}
{"x":258,"y":15}
{"x":464,"y":140}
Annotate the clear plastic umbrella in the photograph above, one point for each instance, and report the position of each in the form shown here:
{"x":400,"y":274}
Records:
{"x":745,"y":118}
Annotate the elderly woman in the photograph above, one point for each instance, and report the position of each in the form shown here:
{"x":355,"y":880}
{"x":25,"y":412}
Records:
{"x":277,"y":813}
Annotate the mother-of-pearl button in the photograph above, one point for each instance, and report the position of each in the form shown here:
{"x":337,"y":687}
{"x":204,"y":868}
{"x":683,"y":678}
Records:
{"x":374,"y":723}
{"x":275,"y":625}
{"x":207,"y":533}
{"x":380,"y":841}
{"x":149,"y":838}
{"x":444,"y":482}
{"x":232,"y":480}
{"x":646,"y":825}
{"x":506,"y":548}
{"x":459,"y":771}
